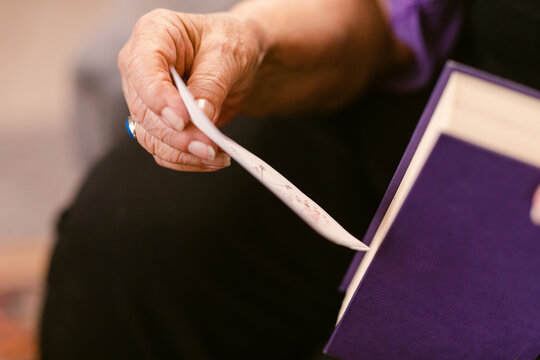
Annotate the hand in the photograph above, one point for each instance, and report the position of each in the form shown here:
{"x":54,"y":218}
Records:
{"x":535,"y":209}
{"x":262,"y":57}
{"x":217,"y":53}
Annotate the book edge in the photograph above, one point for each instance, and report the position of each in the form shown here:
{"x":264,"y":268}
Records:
{"x":449,"y":68}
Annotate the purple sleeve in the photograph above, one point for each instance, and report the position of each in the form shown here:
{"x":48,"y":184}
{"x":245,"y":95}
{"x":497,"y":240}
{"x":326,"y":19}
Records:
{"x":429,"y":28}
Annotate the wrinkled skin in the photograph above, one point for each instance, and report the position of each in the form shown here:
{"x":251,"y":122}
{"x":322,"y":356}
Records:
{"x":256,"y":58}
{"x":219,"y":54}
{"x":235,"y":61}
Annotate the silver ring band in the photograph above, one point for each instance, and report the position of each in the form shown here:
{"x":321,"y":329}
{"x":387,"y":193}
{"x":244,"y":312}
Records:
{"x":131,"y":127}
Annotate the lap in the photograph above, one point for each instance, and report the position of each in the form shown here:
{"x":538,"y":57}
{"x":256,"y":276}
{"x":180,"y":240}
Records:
{"x":151,"y":263}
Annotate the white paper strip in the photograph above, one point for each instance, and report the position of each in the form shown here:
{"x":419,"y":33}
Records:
{"x":302,"y":205}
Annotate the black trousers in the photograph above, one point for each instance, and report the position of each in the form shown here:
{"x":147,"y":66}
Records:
{"x":152,"y":264}
{"x":155,"y":264}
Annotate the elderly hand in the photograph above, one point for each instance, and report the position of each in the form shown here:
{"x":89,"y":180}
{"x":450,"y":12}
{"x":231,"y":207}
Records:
{"x":263,"y":56}
{"x":218,"y":54}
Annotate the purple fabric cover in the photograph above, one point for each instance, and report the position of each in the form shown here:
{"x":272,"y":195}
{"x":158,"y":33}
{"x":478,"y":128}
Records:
{"x":449,"y":68}
{"x":430,"y":29}
{"x":458,"y":275}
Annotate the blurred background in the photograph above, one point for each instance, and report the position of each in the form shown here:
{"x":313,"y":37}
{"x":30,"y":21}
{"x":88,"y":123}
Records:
{"x":61,"y":108}
{"x":38,"y":169}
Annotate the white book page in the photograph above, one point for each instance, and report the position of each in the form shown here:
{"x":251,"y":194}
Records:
{"x":315,"y":216}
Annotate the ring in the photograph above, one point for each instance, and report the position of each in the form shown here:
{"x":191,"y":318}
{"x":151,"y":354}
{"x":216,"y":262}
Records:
{"x":131,"y":127}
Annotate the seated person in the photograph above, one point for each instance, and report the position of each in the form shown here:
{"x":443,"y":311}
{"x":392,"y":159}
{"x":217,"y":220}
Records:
{"x":152,"y":263}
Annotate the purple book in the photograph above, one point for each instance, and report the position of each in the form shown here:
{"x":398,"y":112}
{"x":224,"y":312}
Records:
{"x":454,"y":270}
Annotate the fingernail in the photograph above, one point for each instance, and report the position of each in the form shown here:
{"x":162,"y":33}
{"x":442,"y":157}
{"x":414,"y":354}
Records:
{"x":173,"y":119}
{"x":221,"y":160}
{"x":207,"y":108}
{"x":535,"y":212}
{"x":202,"y":150}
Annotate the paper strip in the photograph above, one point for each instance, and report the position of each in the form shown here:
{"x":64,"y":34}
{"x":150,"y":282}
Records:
{"x":303,"y":206}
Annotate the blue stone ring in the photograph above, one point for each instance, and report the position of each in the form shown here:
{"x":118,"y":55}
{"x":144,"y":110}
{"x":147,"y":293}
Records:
{"x":131,"y":127}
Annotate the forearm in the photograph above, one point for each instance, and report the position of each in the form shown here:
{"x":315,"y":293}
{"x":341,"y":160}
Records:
{"x":319,"y":54}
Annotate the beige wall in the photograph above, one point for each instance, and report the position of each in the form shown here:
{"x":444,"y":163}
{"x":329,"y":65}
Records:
{"x":37,"y":42}
{"x":37,"y":38}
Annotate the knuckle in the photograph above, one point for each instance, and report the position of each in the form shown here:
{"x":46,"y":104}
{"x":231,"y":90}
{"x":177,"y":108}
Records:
{"x":160,"y":150}
{"x":182,"y":158}
{"x":143,"y":113}
{"x":169,"y":138}
{"x":210,"y":83}
{"x":148,"y":142}
{"x":137,"y":109}
{"x":160,"y":131}
{"x":153,"y":89}
{"x":132,"y":62}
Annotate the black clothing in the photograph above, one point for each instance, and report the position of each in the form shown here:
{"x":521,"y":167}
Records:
{"x":152,"y":263}
{"x":155,"y":264}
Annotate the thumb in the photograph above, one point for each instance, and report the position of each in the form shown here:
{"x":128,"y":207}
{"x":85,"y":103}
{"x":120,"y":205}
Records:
{"x":210,"y":82}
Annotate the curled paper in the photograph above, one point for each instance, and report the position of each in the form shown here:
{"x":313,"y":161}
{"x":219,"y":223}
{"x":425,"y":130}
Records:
{"x":296,"y":200}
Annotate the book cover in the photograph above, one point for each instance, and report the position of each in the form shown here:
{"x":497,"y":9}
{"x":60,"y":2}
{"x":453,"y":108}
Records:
{"x":458,"y":272}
